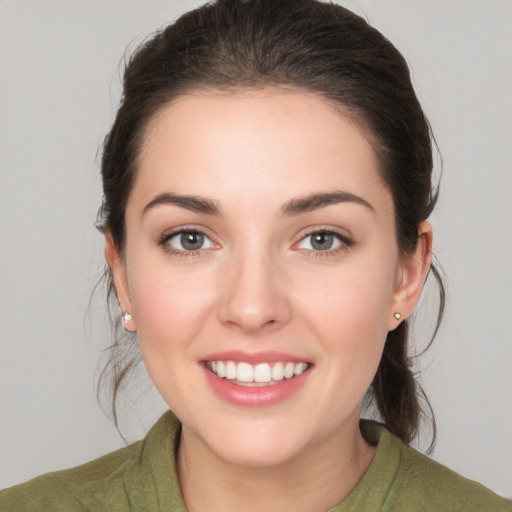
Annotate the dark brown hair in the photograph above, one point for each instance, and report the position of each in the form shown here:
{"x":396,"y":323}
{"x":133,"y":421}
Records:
{"x":301,"y":44}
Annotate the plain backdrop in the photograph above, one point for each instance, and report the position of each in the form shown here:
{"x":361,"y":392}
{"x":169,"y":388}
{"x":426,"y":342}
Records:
{"x":59,"y":87}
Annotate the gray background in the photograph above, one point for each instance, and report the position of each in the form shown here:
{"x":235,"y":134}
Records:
{"x":59,"y":86}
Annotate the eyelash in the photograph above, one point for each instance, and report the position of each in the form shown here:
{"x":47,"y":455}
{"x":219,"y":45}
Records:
{"x":344,"y":243}
{"x":164,"y":242}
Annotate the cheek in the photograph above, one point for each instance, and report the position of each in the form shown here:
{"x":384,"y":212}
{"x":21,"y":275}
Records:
{"x":349,"y":301}
{"x":349,"y":313}
{"x":169,"y":307}
{"x":170,"y":312}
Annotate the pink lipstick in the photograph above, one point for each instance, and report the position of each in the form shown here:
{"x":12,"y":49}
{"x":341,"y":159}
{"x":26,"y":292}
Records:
{"x":255,"y":380}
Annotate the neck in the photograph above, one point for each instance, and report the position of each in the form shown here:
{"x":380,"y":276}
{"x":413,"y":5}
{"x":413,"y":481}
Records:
{"x":317,"y":479}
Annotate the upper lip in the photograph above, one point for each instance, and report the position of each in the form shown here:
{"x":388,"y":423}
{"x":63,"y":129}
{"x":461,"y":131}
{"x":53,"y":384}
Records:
{"x":238,"y":356}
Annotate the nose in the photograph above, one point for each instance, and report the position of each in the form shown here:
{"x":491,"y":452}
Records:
{"x":254,"y":295}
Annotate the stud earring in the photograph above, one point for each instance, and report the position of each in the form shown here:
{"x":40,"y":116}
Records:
{"x":127,"y":317}
{"x":397,"y":316}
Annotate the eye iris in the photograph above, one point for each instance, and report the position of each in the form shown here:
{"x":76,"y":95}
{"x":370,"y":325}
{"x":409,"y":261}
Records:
{"x":322,"y":241}
{"x":192,"y":241}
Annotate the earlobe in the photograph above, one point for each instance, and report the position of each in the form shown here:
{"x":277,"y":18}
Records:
{"x":413,"y":272}
{"x":120,"y":281}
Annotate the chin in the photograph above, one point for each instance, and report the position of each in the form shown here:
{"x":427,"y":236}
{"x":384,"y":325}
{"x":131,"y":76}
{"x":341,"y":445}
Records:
{"x":257,"y":453}
{"x":253,"y":443}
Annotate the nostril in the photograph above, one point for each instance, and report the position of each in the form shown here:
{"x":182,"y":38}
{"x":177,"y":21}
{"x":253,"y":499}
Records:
{"x":251,"y":301}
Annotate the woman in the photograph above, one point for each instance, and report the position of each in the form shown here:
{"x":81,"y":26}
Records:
{"x":267,"y":187}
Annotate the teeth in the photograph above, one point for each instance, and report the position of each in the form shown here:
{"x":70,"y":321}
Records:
{"x":300,"y":368}
{"x":288,"y":370}
{"x":278,"y":371}
{"x":221,"y":369}
{"x":261,"y":373}
{"x":231,"y":372}
{"x":245,"y":372}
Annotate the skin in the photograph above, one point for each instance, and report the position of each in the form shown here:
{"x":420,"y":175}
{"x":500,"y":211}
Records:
{"x":259,"y":285}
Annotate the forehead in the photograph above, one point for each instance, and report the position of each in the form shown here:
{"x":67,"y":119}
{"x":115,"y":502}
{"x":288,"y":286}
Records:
{"x":223,"y":145}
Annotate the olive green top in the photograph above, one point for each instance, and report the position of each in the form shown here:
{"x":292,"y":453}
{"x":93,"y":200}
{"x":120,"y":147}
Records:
{"x":142,"y":478}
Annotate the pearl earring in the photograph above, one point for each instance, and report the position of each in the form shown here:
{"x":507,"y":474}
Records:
{"x":398,"y":316}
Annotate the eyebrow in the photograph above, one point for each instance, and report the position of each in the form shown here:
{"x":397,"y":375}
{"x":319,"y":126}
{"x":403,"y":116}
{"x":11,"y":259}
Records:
{"x":315,"y":201}
{"x":295,"y":206}
{"x":192,"y":203}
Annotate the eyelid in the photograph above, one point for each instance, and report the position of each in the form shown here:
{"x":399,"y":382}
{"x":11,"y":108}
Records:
{"x":167,"y":235}
{"x":346,"y":241}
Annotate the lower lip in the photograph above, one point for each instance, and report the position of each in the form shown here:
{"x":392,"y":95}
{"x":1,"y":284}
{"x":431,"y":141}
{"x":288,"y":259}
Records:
{"x":259,"y":396}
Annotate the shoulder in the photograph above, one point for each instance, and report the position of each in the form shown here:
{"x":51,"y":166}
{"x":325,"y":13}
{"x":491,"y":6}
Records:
{"x":141,"y":476}
{"x":443,"y":489}
{"x":97,"y":485}
{"x":424,"y":484}
{"x":401,"y":479}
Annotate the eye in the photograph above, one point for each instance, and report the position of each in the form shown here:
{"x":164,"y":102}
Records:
{"x":188,"y":241}
{"x":323,"y":241}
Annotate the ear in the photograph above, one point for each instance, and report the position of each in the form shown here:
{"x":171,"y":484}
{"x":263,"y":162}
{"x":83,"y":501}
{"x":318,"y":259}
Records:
{"x":411,"y":277}
{"x":120,"y":281}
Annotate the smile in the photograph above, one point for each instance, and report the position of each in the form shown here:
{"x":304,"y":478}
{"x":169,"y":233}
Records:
{"x":246,"y":374}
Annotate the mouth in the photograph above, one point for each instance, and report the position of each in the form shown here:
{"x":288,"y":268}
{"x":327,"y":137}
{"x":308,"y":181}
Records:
{"x":257,"y":375}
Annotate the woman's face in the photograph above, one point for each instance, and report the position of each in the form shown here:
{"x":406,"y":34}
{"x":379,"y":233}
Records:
{"x":260,"y":244}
